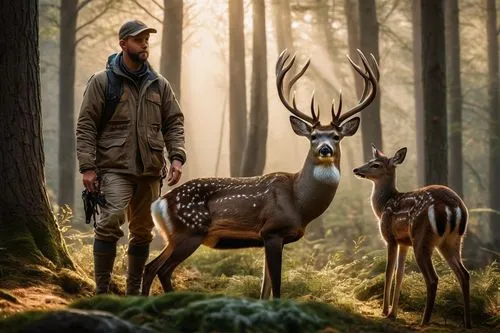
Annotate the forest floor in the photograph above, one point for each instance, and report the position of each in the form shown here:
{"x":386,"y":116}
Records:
{"x":345,"y":295}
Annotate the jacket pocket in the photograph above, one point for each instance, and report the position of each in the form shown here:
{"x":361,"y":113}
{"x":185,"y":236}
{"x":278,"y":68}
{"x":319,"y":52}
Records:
{"x":111,"y":153}
{"x":153,"y":107}
{"x":156,"y":146}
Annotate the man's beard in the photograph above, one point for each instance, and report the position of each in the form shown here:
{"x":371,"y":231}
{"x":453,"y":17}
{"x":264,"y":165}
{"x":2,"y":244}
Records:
{"x":136,"y":57}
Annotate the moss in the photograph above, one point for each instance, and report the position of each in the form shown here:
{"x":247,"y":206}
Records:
{"x":74,"y":283}
{"x":15,"y":324}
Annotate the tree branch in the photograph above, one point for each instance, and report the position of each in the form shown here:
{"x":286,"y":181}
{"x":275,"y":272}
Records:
{"x":395,"y":4}
{"x":81,"y":38}
{"x":95,"y":18}
{"x":82,"y":4}
{"x":158,"y":4}
{"x":49,"y":5}
{"x":147,"y":11}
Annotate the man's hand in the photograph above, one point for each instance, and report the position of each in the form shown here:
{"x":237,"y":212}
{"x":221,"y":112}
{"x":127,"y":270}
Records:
{"x":174,"y":173}
{"x":90,"y":180}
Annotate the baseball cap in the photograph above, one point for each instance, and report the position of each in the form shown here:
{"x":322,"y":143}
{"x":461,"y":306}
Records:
{"x":133,"y":28}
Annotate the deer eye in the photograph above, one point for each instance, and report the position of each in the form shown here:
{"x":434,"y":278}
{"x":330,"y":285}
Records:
{"x":375,"y":166}
{"x":336,"y":137}
{"x":314,"y":137}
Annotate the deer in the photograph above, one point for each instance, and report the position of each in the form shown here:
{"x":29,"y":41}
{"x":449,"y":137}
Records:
{"x":266,"y":211}
{"x":430,"y":217}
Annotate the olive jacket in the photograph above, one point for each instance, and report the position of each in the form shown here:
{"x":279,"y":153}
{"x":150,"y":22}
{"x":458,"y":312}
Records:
{"x":147,"y":120}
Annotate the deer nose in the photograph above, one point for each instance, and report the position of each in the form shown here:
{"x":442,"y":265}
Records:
{"x":325,"y":150}
{"x":355,"y":170}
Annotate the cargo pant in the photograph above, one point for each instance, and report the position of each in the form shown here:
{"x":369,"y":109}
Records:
{"x":131,"y":197}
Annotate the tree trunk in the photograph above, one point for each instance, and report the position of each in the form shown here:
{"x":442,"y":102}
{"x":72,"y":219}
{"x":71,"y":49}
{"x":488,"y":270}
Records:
{"x":434,"y":92}
{"x":494,"y":111}
{"x":418,"y":93}
{"x":67,"y":63}
{"x":454,"y":94}
{"x":28,"y":230}
{"x":237,"y":86}
{"x":352,"y":19}
{"x":283,"y":28}
{"x":254,"y":157}
{"x":282,"y":24}
{"x":171,"y":43}
{"x":368,"y":40}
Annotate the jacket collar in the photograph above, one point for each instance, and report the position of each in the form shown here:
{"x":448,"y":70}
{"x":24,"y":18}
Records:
{"x":112,"y":63}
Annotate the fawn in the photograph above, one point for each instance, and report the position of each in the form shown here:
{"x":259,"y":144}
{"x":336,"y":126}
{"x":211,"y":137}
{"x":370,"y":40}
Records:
{"x":266,"y":211}
{"x":429,"y":217}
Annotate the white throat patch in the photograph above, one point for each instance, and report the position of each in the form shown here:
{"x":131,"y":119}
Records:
{"x":328,"y":174}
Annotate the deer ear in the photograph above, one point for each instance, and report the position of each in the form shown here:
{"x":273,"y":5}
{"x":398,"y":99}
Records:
{"x":399,"y":157}
{"x":350,"y":127}
{"x":376,"y":153}
{"x":300,"y":127}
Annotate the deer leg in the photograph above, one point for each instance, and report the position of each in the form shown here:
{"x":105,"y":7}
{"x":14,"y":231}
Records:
{"x":153,"y":267}
{"x":265,"y":290}
{"x":180,"y":253}
{"x":392,"y":248}
{"x":403,"y":250}
{"x":423,"y":254}
{"x":451,"y":252}
{"x":274,"y":254}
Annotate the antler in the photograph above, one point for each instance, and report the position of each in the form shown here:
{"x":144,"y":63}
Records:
{"x":281,"y":71}
{"x":370,"y":76}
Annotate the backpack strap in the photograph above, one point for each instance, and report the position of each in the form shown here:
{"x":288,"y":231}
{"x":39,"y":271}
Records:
{"x":112,"y":95}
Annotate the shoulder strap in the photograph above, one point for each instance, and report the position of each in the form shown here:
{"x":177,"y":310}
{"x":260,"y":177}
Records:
{"x":112,"y":95}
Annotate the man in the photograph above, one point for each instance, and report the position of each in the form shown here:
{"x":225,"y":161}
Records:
{"x":126,"y":151}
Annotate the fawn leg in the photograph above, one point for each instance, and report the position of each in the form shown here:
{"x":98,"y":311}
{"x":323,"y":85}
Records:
{"x":403,"y":250}
{"x":423,"y":254}
{"x":274,"y":254}
{"x":392,"y":248}
{"x":451,"y":252}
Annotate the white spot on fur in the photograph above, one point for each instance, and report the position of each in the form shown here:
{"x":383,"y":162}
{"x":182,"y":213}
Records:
{"x":327,"y":174}
{"x":432,"y":218}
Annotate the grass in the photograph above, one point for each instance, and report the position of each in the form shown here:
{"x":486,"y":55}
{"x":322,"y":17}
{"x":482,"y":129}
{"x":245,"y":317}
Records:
{"x":218,"y":291}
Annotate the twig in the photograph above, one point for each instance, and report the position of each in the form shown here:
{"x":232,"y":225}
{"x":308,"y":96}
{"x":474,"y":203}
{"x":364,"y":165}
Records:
{"x":106,"y":8}
{"x":147,"y":11}
{"x":82,"y":4}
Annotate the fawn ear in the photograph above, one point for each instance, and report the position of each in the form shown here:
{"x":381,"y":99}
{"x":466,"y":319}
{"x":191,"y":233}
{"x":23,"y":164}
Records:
{"x":376,"y":153}
{"x":300,"y":127}
{"x":350,"y":127}
{"x":399,"y":157}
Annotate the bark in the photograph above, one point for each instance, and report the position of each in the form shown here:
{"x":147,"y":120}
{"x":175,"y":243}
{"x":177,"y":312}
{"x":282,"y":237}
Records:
{"x":418,"y":93}
{"x":237,"y":86}
{"x":434,"y":92}
{"x":494,"y":112}
{"x":352,"y":19}
{"x":371,"y":128}
{"x":454,"y":95}
{"x":171,"y":44}
{"x":28,"y":231}
{"x":255,"y":152}
{"x":282,"y":24}
{"x":283,"y":28}
{"x":67,"y":65}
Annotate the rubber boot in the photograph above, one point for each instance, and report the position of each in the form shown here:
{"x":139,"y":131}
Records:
{"x":104,"y":259}
{"x":137,"y":257}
